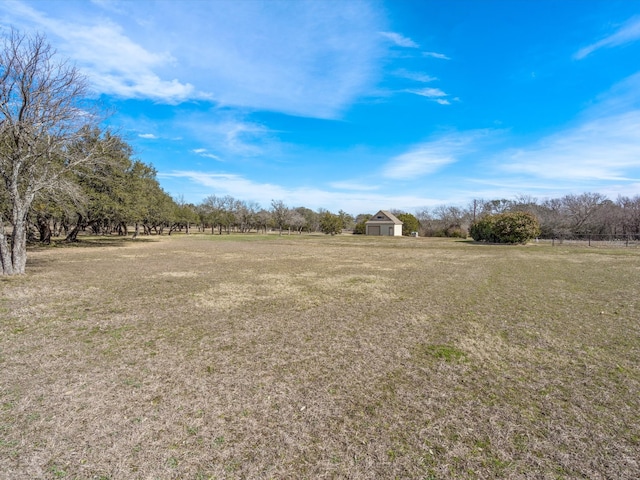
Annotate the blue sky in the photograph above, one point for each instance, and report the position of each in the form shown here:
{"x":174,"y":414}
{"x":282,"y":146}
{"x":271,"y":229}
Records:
{"x":363,"y":105}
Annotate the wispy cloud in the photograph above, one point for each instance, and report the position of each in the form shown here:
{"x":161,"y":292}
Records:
{"x":303,"y":58}
{"x":428,"y":92}
{"x":400,"y":40}
{"x":230,"y":184}
{"x":415,"y":76}
{"x":202,"y":152}
{"x":441,"y":56}
{"x":622,"y":97}
{"x":429,"y":157}
{"x":628,"y":32}
{"x":604,"y":149}
{"x":149,"y":136}
{"x":227,"y":134}
{"x":434,"y":94}
{"x":114,"y":63}
{"x":420,"y":161}
{"x":359,"y":201}
{"x":363,"y":187}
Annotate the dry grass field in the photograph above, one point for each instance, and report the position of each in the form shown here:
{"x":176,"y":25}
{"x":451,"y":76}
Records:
{"x":253,"y":357}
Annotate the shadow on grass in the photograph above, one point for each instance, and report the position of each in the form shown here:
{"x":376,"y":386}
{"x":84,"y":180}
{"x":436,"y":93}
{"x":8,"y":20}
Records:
{"x":90,"y":242}
{"x":491,"y":244}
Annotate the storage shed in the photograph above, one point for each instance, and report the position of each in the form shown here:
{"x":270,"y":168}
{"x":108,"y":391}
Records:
{"x":384,"y":223}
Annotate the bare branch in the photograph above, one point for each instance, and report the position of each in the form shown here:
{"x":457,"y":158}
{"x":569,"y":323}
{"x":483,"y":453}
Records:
{"x":48,"y":129}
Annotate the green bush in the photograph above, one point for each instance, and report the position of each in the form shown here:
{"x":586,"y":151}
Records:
{"x":409,"y":223}
{"x":360,"y":229}
{"x":330,"y":223}
{"x":514,"y":227}
{"x":455,"y":232}
{"x":482,"y":230}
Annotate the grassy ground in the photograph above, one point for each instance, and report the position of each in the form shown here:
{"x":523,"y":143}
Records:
{"x":320,"y":357}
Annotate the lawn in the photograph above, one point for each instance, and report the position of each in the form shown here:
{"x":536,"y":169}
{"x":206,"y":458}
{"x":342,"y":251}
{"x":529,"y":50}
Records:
{"x":264,"y":357}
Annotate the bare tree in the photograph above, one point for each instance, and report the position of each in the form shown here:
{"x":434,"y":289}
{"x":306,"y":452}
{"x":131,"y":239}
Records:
{"x":280,"y":214}
{"x":262,"y":220}
{"x":43,"y":117}
{"x":297,"y":221}
{"x":582,"y":209}
{"x":496,"y":206}
{"x":217,"y":213}
{"x":629,"y":214}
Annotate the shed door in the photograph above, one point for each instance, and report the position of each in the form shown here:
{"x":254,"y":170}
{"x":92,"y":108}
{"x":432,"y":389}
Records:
{"x":374,"y":230}
{"x":391,"y":232}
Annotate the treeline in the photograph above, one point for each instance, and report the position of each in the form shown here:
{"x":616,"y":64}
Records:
{"x":124,"y":194}
{"x":103,"y":197}
{"x":570,"y":215}
{"x":124,"y":197}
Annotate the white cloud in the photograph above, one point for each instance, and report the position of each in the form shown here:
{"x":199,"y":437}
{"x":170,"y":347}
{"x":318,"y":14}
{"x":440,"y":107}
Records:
{"x":202,"y":152}
{"x":416,"y":76}
{"x":106,"y":54}
{"x":422,"y":160}
{"x":149,"y":136}
{"x":629,"y":32}
{"x":363,"y":187}
{"x":233,"y":136}
{"x":400,"y":40}
{"x":622,"y":97}
{"x":441,"y":56}
{"x":237,"y":186}
{"x":303,"y":58}
{"x":603,"y":149}
{"x":434,"y":94}
{"x":428,"y":92}
{"x":429,"y":157}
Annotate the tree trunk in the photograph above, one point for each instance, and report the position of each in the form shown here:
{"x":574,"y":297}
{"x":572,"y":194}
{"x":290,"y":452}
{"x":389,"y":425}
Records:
{"x":6,"y":265}
{"x":44,"y":228}
{"x":19,"y":247}
{"x":72,"y":236}
{"x":13,"y":252}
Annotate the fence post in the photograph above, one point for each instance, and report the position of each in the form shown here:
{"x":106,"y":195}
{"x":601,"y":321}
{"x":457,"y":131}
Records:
{"x":589,"y":239}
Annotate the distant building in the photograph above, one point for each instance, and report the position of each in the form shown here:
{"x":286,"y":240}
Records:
{"x":384,"y":223}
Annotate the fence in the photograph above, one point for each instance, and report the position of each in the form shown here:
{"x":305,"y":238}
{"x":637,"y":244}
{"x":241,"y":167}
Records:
{"x":594,"y":240}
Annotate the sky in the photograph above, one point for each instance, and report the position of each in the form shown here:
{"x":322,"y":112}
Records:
{"x":362,"y":105}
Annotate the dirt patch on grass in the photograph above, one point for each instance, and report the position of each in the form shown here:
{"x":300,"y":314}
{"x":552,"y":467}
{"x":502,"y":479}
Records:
{"x":320,"y":357}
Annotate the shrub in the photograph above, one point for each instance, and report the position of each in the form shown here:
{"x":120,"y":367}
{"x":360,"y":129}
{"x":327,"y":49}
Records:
{"x":360,"y":229}
{"x":455,"y":232}
{"x":514,"y":227}
{"x":482,"y":230}
{"x":330,"y":223}
{"x":409,"y":223}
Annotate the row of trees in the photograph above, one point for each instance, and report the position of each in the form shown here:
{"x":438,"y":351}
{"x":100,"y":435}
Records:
{"x":60,"y":172}
{"x":124,"y":193}
{"x":586,"y":213}
{"x":226,"y":214}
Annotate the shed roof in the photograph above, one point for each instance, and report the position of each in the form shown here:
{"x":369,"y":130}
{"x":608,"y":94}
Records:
{"x":389,"y":218}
